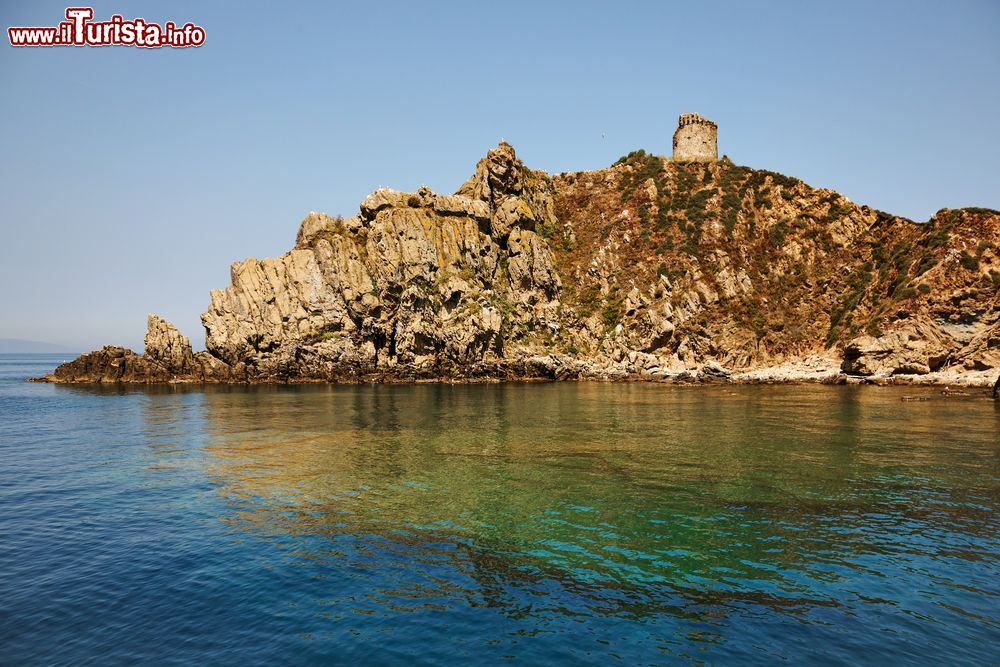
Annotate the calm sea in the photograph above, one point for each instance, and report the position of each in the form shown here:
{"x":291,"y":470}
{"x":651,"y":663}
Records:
{"x":532,"y":523}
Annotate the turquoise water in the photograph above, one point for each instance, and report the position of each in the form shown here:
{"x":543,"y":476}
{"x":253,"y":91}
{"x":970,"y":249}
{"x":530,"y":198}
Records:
{"x":535,"y":524}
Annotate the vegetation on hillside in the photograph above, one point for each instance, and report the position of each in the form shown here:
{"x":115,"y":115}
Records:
{"x":814,"y":268}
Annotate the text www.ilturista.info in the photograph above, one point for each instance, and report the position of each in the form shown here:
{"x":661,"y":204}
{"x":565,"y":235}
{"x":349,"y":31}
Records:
{"x":79,"y":30}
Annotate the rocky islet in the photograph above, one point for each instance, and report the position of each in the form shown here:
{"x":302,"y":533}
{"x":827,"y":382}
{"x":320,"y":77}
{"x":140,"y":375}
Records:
{"x":654,"y":269}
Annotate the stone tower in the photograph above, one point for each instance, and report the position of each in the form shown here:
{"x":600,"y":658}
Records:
{"x":696,"y":138}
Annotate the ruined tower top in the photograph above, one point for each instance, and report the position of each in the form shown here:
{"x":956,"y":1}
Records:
{"x":696,"y":138}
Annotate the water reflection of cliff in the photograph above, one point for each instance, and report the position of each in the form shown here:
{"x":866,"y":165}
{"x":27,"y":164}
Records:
{"x":640,"y":499}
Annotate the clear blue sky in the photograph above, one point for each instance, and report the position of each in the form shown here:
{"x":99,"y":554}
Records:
{"x":131,"y":178}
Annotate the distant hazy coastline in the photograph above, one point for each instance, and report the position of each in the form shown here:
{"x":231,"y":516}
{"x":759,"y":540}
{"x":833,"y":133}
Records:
{"x":23,"y":346}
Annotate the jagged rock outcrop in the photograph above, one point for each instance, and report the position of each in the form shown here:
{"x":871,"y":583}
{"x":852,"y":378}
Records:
{"x":167,"y":358}
{"x":110,"y":364}
{"x":167,"y":346}
{"x":699,"y":271}
{"x":415,"y":285}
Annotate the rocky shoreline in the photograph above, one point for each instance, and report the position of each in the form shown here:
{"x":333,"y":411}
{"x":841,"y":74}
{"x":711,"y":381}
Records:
{"x":116,"y":365}
{"x":650,"y":270}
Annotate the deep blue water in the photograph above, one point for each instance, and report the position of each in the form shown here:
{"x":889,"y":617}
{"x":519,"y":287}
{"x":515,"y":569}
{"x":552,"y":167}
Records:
{"x":533,"y":524}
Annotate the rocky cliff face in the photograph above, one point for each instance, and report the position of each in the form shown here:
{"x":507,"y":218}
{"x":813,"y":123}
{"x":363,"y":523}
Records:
{"x":415,"y":285}
{"x":752,"y":269}
{"x":649,"y":268}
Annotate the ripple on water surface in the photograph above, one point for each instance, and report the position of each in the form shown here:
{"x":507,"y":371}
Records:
{"x":541,"y":522}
